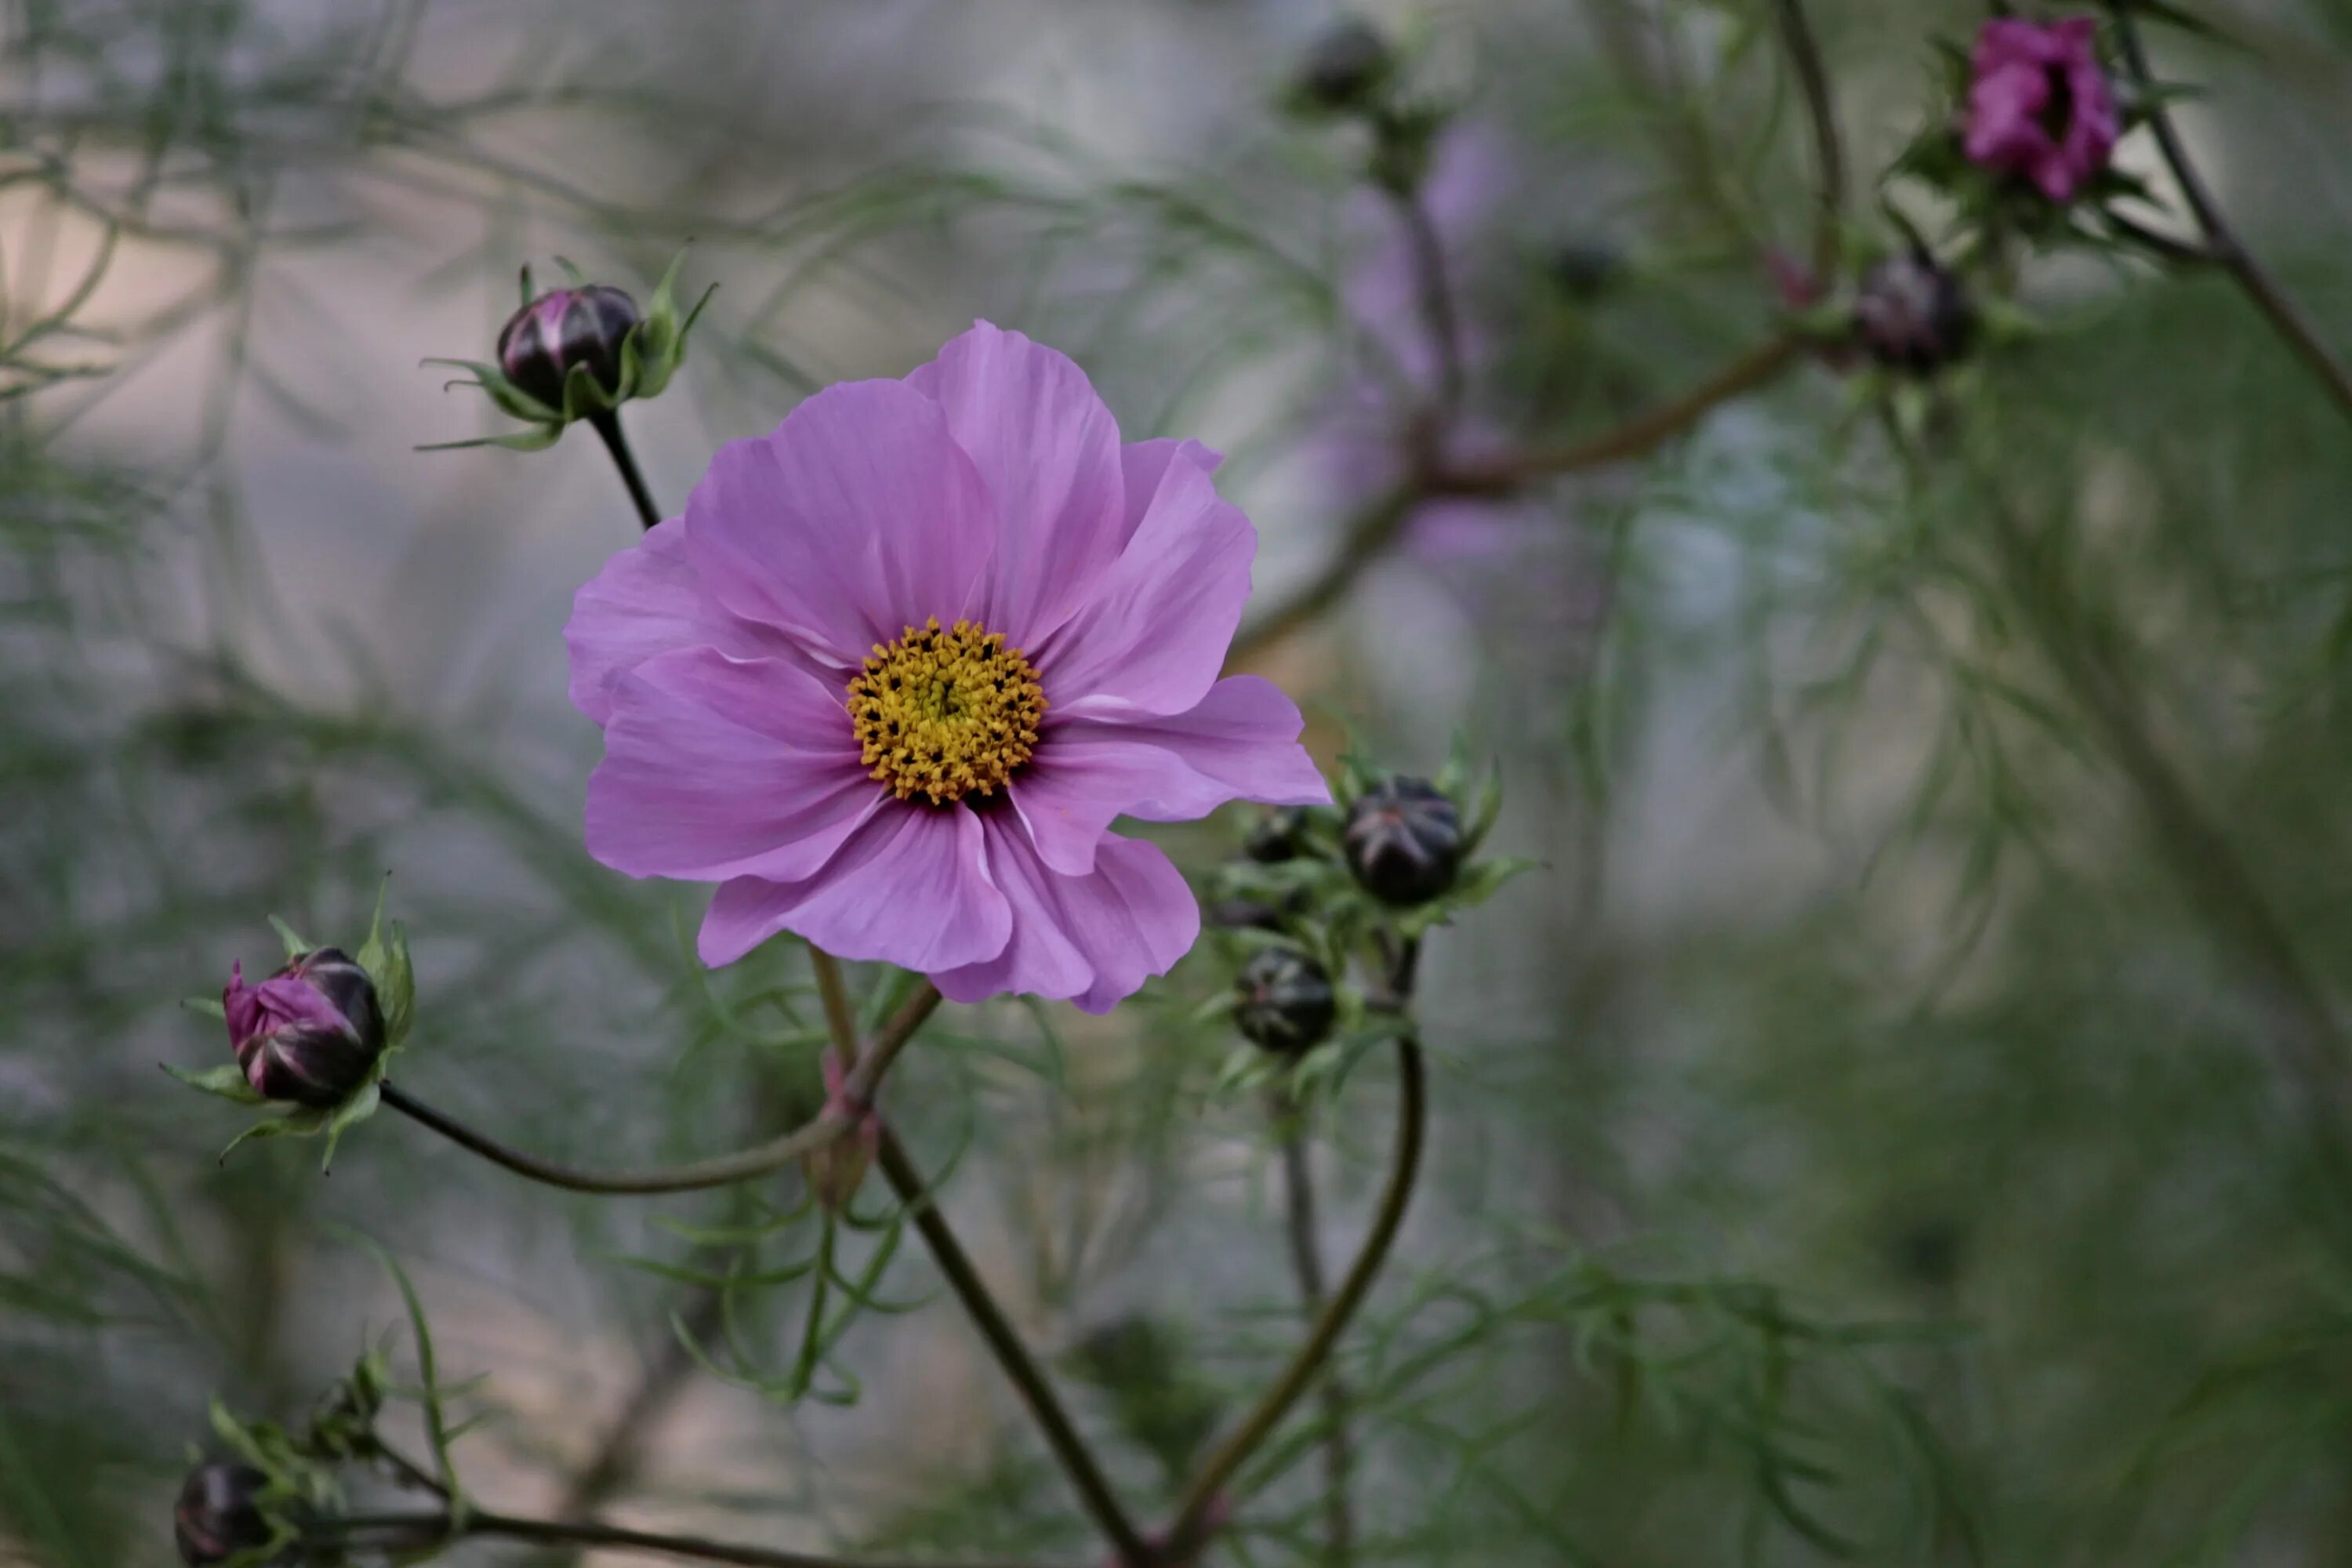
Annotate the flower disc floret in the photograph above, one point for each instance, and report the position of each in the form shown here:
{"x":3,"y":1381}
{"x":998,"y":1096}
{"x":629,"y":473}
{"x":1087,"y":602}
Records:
{"x":946,"y":714}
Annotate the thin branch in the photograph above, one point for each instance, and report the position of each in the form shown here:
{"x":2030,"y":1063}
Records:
{"x":1306,"y":1256}
{"x":1028,"y":1378}
{"x":1434,"y":291}
{"x":1637,"y":438}
{"x":424,"y":1528}
{"x":2285,"y":318}
{"x":1828,"y":151}
{"x":1203,"y":1496}
{"x":835,"y":1121}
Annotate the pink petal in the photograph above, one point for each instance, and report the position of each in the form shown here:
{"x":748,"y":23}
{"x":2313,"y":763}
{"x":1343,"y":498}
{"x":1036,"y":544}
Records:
{"x":646,"y":601}
{"x":858,"y":517}
{"x":1067,"y":797}
{"x":1094,"y":938}
{"x":1143,"y":464}
{"x":1154,"y":632}
{"x":1240,"y":742}
{"x":716,"y":767}
{"x":911,"y":886}
{"x":1049,"y":453}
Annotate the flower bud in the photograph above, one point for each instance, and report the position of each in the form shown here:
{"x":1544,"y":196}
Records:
{"x":542,"y":341}
{"x":310,"y":1032}
{"x":1345,"y":70}
{"x":1280,"y":835}
{"x":1403,"y":841}
{"x":219,"y":1513}
{"x":1287,"y":1002}
{"x":1913,"y":315}
{"x":1584,"y":271}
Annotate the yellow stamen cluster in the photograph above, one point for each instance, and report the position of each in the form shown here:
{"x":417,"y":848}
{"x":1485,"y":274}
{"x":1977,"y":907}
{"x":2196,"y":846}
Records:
{"x":946,"y":714}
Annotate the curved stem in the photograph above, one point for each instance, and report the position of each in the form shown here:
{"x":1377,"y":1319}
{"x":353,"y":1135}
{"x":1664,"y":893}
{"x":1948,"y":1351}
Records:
{"x":608,"y":425}
{"x":1201,"y":1496}
{"x":722,"y":1171}
{"x":1828,"y":151}
{"x":438,"y":1527}
{"x":1637,"y":438}
{"x":1027,"y":1377}
{"x":1306,"y":1256}
{"x":1434,"y":293}
{"x":2223,"y":241}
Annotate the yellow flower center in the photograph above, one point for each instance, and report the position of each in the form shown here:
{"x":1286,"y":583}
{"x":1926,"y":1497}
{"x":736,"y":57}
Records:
{"x":946,"y":714}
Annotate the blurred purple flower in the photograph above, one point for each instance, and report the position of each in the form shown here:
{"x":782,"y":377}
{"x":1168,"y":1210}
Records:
{"x":903,"y":660}
{"x":2040,"y":105}
{"x":308,"y":1034}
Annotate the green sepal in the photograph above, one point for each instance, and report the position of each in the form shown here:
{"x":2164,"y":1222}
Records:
{"x":385,"y":959}
{"x":511,"y":399}
{"x":538,"y":438}
{"x":1479,"y":881}
{"x":226,"y":1081}
{"x":295,"y":944}
{"x":210,"y":1007}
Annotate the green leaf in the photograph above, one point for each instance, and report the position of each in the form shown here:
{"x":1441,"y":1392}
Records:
{"x":226,"y":1081}
{"x":210,"y":1007}
{"x":436,"y":1421}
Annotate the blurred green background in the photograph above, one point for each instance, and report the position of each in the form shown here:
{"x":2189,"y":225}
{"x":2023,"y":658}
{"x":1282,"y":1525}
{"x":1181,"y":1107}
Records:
{"x":1899,"y":1123}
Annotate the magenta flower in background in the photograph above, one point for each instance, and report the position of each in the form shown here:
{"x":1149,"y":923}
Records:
{"x":903,"y":660}
{"x":2039,"y":103}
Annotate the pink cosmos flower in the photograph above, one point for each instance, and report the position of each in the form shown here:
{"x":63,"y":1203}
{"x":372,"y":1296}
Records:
{"x":2039,"y":104}
{"x":901,"y":664}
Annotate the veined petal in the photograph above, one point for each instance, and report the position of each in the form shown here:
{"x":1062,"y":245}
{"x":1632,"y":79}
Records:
{"x":1094,"y":938}
{"x":1048,"y":451}
{"x":857,"y":517}
{"x":1238,"y":742}
{"x":647,"y":601}
{"x":1154,"y":631}
{"x":717,"y":767}
{"x":911,"y":886}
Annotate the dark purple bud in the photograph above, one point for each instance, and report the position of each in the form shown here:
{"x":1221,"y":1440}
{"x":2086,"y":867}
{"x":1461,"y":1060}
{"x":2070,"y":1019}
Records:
{"x":308,"y":1034}
{"x":1346,"y":68}
{"x":1280,"y":835}
{"x":1404,"y":841}
{"x":1286,"y":1002}
{"x":1912,"y":315}
{"x":219,"y":1513}
{"x":541,"y":342}
{"x":1584,"y":272}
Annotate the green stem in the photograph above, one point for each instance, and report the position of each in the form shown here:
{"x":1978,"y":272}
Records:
{"x":1306,"y":1256}
{"x":1829,"y":153}
{"x":608,"y":425}
{"x":1026,"y":1375}
{"x":2226,"y":248}
{"x":422,"y":1528}
{"x":722,"y":1171}
{"x":1203,"y":1496}
{"x":1028,"y":1378}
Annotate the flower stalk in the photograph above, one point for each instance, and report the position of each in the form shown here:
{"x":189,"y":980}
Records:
{"x":2223,"y":244}
{"x":725,"y":1170}
{"x":1204,"y":1495}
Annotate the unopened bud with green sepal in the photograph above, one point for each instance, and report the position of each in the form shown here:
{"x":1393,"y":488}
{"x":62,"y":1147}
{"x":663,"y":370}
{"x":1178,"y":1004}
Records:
{"x":578,"y":353}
